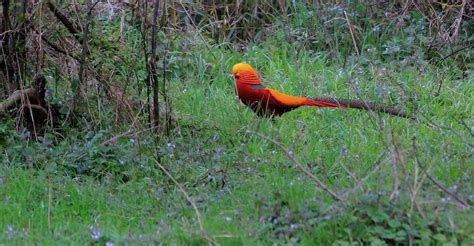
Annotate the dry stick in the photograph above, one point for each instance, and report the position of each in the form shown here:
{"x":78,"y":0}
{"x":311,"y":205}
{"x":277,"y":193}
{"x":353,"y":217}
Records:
{"x":394,"y":160}
{"x":438,"y":127}
{"x":41,"y":58}
{"x":85,"y":51}
{"x":135,"y":120}
{"x":164,"y":91}
{"x":417,"y":183}
{"x":353,"y":176}
{"x":439,"y":185}
{"x":446,"y":190}
{"x":188,"y":198}
{"x":300,"y":166}
{"x":375,"y":168}
{"x":14,"y":97}
{"x":391,"y":148}
{"x":59,"y":49}
{"x":166,"y":98}
{"x":153,"y":67}
{"x":457,"y":22}
{"x":34,"y":106}
{"x":50,"y":199}
{"x":40,"y":51}
{"x":27,"y":100}
{"x":73,"y":30}
{"x":199,"y":33}
{"x":352,"y":33}
{"x":173,"y":13}
{"x":68,"y":24}
{"x":114,"y":138}
{"x":126,"y":133}
{"x":6,"y":18}
{"x":455,"y":52}
{"x":144,"y":28}
{"x":339,"y":162}
{"x":468,"y":128}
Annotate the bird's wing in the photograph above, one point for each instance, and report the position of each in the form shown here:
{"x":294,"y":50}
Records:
{"x":286,"y":100}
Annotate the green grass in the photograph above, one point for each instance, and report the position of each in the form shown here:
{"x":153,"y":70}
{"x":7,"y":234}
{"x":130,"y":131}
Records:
{"x":246,"y":189}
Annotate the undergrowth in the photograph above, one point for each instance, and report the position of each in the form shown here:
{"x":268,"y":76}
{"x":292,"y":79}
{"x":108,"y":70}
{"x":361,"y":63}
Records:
{"x":95,"y":179}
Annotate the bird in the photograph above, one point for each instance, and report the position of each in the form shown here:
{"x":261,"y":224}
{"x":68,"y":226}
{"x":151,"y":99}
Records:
{"x":267,"y":102}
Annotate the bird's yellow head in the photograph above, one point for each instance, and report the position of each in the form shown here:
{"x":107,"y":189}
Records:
{"x":240,"y":68}
{"x":245,"y":73}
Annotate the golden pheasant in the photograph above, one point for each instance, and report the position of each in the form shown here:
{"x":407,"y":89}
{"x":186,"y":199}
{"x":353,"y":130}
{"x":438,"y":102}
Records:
{"x":268,"y":102}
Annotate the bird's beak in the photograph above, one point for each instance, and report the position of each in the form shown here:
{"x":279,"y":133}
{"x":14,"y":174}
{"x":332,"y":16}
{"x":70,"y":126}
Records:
{"x":231,"y":75}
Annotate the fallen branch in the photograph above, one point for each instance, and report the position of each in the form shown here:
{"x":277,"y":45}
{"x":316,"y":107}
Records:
{"x":14,"y":98}
{"x":34,"y":106}
{"x":63,"y":19}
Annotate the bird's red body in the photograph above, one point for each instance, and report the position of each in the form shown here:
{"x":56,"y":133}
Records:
{"x":266,"y":101}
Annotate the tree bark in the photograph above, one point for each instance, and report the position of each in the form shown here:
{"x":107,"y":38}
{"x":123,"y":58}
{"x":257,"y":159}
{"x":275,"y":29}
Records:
{"x":153,"y":67}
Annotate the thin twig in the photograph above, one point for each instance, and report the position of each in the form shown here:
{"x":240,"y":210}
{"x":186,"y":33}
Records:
{"x":186,"y":195}
{"x":448,"y":128}
{"x":50,"y":199}
{"x":59,"y":49}
{"x":129,"y":131}
{"x":153,"y":67}
{"x":85,"y":51}
{"x":455,"y":52}
{"x":438,"y":184}
{"x":290,"y":156}
{"x":27,"y":100}
{"x":115,"y":138}
{"x":375,"y":168}
{"x":417,"y":182}
{"x":199,"y":33}
{"x":34,"y":106}
{"x":447,"y":191}
{"x":352,"y":33}
{"x":66,"y":22}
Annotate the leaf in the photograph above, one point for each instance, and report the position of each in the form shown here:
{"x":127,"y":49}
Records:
{"x":440,"y":238}
{"x":394,"y":223}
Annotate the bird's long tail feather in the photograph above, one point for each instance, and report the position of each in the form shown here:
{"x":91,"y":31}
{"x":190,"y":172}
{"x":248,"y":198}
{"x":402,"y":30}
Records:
{"x":319,"y":103}
{"x":360,"y":104}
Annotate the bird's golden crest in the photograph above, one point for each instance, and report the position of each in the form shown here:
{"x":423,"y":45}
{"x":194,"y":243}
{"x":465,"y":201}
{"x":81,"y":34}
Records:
{"x":243,"y":67}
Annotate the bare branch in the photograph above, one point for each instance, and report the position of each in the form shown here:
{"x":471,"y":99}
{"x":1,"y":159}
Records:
{"x":354,"y":42}
{"x":290,"y":156}
{"x":14,"y":98}
{"x":186,"y":195}
{"x":66,"y":22}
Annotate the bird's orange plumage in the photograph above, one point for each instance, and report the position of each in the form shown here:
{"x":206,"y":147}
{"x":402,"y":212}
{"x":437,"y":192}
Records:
{"x":266,"y":101}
